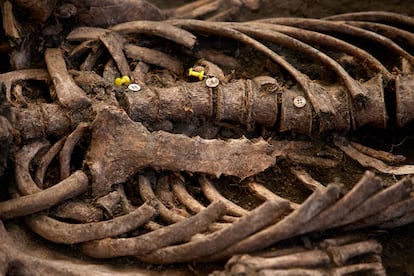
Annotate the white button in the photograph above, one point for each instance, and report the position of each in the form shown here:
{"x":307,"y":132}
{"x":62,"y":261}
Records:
{"x":134,"y":87}
{"x":212,"y":82}
{"x":299,"y":101}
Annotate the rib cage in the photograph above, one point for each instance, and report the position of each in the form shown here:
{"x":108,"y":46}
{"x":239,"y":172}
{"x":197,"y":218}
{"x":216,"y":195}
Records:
{"x":367,"y":204}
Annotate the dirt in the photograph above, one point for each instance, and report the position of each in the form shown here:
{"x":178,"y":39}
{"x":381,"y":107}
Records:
{"x":398,"y":245}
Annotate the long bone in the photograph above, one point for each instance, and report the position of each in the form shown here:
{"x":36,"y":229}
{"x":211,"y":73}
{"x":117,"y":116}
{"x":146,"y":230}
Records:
{"x":375,"y":16}
{"x":330,"y":26}
{"x":325,"y":40}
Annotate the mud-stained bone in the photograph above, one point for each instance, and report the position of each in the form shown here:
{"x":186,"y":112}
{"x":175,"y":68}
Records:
{"x":67,"y":149}
{"x":260,"y":217}
{"x":213,"y":195}
{"x":18,"y":259}
{"x":45,"y":161}
{"x":67,"y":233}
{"x":9,"y":78}
{"x":152,"y":56}
{"x":72,"y":186}
{"x":332,"y":259}
{"x":23,"y":158}
{"x":68,"y":93}
{"x":11,"y":27}
{"x":172,"y":234}
{"x":288,"y":226}
{"x":145,"y":189}
{"x":114,"y":44}
{"x":121,"y":147}
{"x":371,"y":162}
{"x":161,"y":29}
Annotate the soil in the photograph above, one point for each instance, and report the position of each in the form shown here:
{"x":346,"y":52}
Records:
{"x":398,"y":244}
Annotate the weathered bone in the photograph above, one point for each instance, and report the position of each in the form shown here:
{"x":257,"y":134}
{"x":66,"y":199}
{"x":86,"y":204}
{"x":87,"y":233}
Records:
{"x":371,"y":162}
{"x":242,"y":228}
{"x":114,"y":43}
{"x":312,"y":37}
{"x":146,"y":192}
{"x":15,"y":258}
{"x":68,"y":93}
{"x":45,"y":161}
{"x":172,"y":234}
{"x":11,"y":27}
{"x":72,"y":186}
{"x":325,"y":260}
{"x":67,"y":149}
{"x":68,"y":233}
{"x":375,"y":16}
{"x":288,"y":226}
{"x":213,"y":195}
{"x":162,"y":29}
{"x":324,"y":25}
{"x":129,"y":147}
{"x":9,"y":78}
{"x":24,"y":180}
{"x":152,"y":56}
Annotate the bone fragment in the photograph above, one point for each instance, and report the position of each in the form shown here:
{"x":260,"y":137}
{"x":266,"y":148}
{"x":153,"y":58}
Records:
{"x":68,"y":93}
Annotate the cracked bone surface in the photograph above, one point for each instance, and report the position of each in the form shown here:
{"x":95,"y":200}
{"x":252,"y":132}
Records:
{"x":121,"y":147}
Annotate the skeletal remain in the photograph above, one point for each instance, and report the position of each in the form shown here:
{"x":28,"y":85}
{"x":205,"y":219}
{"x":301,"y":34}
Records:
{"x":323,"y":260}
{"x":110,"y":12}
{"x":213,"y":195}
{"x":10,"y":25}
{"x":130,"y":147}
{"x":114,"y":44}
{"x":147,"y":193}
{"x":172,"y":234}
{"x":155,"y":57}
{"x":121,"y":149}
{"x":68,"y":93}
{"x":18,"y":257}
{"x":67,"y":233}
{"x":324,"y":25}
{"x":371,"y":162}
{"x":260,"y":217}
{"x":45,"y":161}
{"x":67,"y":149}
{"x":72,"y":186}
